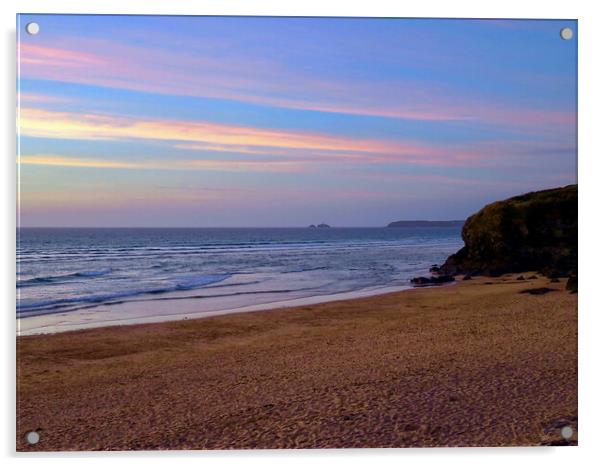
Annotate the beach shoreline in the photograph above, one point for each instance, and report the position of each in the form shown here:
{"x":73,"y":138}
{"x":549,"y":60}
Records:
{"x":71,"y":278}
{"x":474,"y":364}
{"x":72,"y":321}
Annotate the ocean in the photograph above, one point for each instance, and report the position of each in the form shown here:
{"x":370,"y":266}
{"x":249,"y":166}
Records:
{"x":71,"y":278}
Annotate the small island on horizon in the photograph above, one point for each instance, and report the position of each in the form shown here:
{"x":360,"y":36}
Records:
{"x":320,"y":225}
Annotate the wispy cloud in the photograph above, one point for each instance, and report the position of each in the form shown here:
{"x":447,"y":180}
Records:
{"x":168,"y":164}
{"x":250,"y":121}
{"x":269,"y":149}
{"x":206,"y":136}
{"x":40,"y":55}
{"x":37,"y":98}
{"x":264,"y":82}
{"x":61,"y":161}
{"x":66,"y":125}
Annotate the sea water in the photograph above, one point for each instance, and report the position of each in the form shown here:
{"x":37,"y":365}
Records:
{"x":89,"y":276}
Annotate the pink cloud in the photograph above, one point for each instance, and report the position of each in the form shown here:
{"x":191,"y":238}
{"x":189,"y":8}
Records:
{"x":165,"y":164}
{"x":268,"y":149}
{"x":207,"y":136}
{"x":112,"y":64}
{"x":39,"y":99}
{"x":38,"y":55}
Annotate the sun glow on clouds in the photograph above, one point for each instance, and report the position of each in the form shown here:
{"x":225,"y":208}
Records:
{"x":168,"y":164}
{"x":206,"y":136}
{"x":375,"y":115}
{"x":267,"y":150}
{"x":63,"y":125}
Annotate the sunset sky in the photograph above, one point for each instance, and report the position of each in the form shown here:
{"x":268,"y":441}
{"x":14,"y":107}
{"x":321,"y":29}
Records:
{"x":206,"y":121}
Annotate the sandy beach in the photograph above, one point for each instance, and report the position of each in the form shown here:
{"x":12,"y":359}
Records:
{"x":477,"y":363}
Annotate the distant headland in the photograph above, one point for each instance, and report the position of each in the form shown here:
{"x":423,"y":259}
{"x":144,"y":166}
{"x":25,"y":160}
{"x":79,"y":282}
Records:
{"x":425,"y":223}
{"x":321,"y":225}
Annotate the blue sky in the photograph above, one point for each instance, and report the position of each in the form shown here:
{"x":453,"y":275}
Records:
{"x":207,"y":121}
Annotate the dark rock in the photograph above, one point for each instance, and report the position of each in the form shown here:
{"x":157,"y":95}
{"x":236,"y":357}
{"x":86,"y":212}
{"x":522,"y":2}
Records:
{"x":552,"y":272}
{"x":533,"y":277}
{"x":420,"y":281}
{"x":434,"y":269}
{"x":443,"y":279}
{"x":425,"y":281}
{"x":312,"y":226}
{"x":323,"y":225}
{"x":537,"y":291}
{"x":571,"y":284}
{"x":554,"y":280}
{"x":520,"y":277}
{"x":467,"y":277}
{"x":535,"y":231}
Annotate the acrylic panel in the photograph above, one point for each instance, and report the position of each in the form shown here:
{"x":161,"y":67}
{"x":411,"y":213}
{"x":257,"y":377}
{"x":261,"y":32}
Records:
{"x":272,"y":232}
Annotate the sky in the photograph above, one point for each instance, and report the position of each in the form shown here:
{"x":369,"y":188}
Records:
{"x":140,"y":121}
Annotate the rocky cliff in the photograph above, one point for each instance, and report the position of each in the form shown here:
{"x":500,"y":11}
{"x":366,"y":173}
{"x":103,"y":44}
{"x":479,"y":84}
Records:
{"x":533,"y":232}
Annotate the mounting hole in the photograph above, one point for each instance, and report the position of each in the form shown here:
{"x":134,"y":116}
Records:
{"x":566,"y":33}
{"x":32,"y":437}
{"x":32,"y":28}
{"x":566,"y":432}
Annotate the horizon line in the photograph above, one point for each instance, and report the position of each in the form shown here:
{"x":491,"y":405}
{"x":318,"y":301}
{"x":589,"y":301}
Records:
{"x":231,"y":227}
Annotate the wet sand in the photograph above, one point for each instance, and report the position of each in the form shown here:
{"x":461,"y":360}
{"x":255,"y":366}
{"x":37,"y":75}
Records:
{"x":473,"y":364}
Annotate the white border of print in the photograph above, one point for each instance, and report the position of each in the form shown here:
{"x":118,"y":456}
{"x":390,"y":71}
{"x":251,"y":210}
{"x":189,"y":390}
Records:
{"x":590,"y":309}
